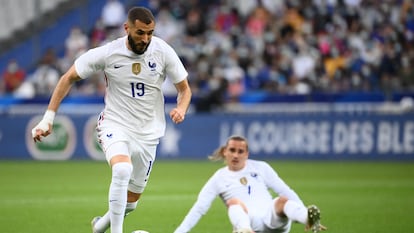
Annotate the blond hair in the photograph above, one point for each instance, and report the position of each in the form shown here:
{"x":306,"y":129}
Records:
{"x":218,"y":154}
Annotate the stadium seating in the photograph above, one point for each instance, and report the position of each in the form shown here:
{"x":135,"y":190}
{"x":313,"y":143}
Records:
{"x":16,"y":14}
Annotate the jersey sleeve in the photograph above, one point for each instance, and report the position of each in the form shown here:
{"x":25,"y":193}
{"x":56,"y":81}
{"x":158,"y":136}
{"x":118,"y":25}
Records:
{"x":277,"y":184}
{"x":204,"y":200}
{"x":90,"y":62}
{"x":175,"y":69}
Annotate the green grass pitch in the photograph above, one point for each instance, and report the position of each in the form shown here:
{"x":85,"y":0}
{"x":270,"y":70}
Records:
{"x":50,"y":197}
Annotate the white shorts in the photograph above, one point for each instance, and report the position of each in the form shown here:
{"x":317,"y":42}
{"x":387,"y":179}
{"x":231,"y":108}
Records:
{"x":271,"y":222}
{"x":115,"y":141}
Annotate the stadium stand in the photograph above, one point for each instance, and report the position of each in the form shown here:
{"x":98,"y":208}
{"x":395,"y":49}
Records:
{"x":24,"y":22}
{"x":259,"y":51}
{"x":17,"y":15}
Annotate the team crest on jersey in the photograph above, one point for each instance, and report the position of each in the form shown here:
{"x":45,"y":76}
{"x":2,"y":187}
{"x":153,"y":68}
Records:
{"x":136,"y":68}
{"x":152,"y":65}
{"x":243,"y":180}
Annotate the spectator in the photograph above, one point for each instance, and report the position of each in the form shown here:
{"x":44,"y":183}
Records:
{"x":226,"y":20}
{"x":113,"y":16}
{"x":12,"y":78}
{"x":215,"y":98}
{"x":98,"y":34}
{"x":234,"y":75}
{"x":76,"y":44}
{"x":168,"y":27}
{"x":46,"y":75}
{"x":195,"y":24}
{"x":256,"y":25}
{"x":244,"y":7}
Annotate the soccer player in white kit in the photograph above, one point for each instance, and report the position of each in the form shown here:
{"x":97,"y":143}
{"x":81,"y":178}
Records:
{"x":133,"y":120}
{"x":243,"y":186}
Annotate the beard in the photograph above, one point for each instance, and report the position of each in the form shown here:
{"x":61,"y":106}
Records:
{"x":137,"y":48}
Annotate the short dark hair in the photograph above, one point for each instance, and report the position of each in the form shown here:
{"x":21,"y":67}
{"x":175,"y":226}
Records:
{"x":140,"y":13}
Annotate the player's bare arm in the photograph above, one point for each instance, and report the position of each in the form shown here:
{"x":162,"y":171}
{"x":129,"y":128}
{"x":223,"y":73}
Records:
{"x":177,"y":114}
{"x":62,"y":88}
{"x":44,"y":128}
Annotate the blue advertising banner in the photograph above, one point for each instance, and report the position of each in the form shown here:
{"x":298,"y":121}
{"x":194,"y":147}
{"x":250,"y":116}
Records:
{"x":319,"y":136}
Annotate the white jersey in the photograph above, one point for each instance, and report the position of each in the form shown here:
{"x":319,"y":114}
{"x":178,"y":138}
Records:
{"x":251,"y":185}
{"x":133,"y":98}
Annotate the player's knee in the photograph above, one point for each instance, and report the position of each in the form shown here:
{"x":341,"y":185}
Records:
{"x":280,"y":204}
{"x":121,"y":173}
{"x":233,"y":201}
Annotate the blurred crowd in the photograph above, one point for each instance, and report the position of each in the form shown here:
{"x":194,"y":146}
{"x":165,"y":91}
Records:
{"x":234,"y":47}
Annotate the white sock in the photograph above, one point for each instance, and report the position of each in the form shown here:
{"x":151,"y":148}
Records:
{"x":296,"y":211}
{"x":118,"y":191}
{"x":238,"y":218}
{"x":103,"y":224}
{"x":130,"y":206}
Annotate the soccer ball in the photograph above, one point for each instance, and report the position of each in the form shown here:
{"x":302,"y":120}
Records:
{"x":140,"y":231}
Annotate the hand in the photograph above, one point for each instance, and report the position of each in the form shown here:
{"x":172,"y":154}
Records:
{"x":177,"y":116}
{"x":44,"y":127}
